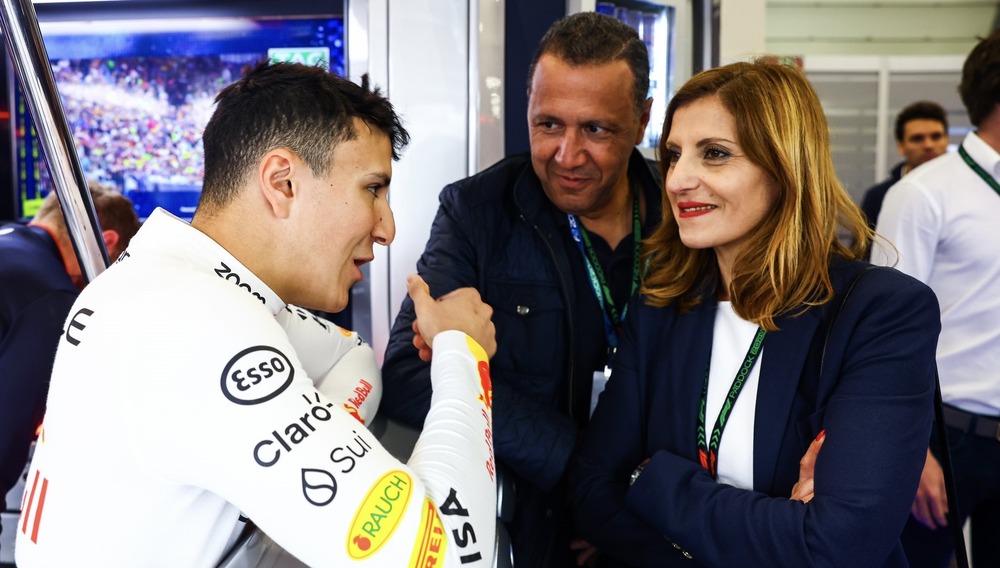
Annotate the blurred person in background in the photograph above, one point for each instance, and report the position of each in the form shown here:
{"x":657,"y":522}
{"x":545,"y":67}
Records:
{"x":40,"y":277}
{"x":921,"y":135}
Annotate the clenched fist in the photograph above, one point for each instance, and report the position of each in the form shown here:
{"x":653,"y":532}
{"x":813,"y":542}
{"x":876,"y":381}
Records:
{"x":460,"y":309}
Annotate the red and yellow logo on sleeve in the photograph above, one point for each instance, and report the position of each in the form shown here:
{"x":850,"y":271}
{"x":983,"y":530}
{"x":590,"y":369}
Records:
{"x":483,"y":366}
{"x":379,"y":514}
{"x":429,"y":547}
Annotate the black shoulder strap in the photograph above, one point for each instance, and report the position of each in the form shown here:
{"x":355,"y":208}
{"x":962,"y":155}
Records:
{"x":836,"y":313}
{"x":954,"y":517}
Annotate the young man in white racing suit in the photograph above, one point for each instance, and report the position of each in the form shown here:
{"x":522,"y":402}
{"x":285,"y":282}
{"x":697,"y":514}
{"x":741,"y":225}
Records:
{"x":189,"y":388}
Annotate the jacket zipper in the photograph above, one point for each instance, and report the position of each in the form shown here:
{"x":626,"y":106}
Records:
{"x":569,"y":316}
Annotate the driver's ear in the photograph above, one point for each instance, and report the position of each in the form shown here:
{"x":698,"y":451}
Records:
{"x":275,"y":180}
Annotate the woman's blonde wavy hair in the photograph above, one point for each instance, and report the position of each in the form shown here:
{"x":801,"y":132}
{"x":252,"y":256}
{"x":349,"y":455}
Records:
{"x":784,"y":265}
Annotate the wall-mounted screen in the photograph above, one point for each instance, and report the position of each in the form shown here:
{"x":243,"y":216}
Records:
{"x":655,"y":25}
{"x":138,"y":93}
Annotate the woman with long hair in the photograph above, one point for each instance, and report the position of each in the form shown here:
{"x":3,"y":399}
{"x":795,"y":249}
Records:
{"x":758,"y":414}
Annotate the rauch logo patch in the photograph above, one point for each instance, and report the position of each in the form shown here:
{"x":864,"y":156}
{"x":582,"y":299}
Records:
{"x":379,"y":514}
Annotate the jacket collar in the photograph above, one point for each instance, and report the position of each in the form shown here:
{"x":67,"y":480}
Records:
{"x":897,"y":171}
{"x":782,"y":367}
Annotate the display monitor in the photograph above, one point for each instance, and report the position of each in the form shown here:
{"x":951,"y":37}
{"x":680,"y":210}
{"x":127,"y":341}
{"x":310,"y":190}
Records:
{"x":138,"y":92}
{"x":655,"y":24}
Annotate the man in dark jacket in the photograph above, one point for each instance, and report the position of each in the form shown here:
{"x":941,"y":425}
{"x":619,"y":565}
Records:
{"x":921,"y":135}
{"x":551,"y":241}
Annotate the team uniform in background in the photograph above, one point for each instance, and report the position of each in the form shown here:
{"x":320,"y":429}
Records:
{"x":185,"y":392}
{"x":35,"y":296}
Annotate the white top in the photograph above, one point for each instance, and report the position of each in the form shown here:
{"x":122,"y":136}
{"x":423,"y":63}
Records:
{"x":945,"y":222}
{"x":730,"y":341}
{"x":185,"y":392}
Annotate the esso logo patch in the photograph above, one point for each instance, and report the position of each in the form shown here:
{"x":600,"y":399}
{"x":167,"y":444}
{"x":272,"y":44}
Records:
{"x":256,"y":375}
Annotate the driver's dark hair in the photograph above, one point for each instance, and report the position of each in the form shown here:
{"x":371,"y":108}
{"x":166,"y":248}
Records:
{"x":302,"y":108}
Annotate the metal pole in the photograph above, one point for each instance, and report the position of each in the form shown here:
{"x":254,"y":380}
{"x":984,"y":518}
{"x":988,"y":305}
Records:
{"x":31,"y":64}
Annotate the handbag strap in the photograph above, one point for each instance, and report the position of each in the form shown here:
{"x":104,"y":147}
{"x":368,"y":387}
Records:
{"x":836,"y":314}
{"x":954,"y":518}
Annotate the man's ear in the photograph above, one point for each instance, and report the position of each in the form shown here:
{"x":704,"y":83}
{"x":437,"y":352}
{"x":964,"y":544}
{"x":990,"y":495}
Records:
{"x":111,"y":239}
{"x":274,"y":178}
{"x":644,"y":119}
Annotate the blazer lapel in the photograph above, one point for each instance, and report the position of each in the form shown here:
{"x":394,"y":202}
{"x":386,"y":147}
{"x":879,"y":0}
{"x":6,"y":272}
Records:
{"x":784,"y":355}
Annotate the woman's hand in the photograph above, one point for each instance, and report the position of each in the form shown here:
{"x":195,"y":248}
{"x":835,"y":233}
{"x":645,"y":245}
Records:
{"x":803,"y":489}
{"x":931,"y":504}
{"x":586,"y":553}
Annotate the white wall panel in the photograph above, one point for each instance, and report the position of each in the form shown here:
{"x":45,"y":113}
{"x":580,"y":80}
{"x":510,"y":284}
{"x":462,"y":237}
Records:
{"x":887,"y":27}
{"x":427,"y":81}
{"x":861,"y":97}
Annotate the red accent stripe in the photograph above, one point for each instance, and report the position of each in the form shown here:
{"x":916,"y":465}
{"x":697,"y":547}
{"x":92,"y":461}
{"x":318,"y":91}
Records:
{"x":38,"y":512}
{"x":26,"y":511}
{"x":424,"y":546}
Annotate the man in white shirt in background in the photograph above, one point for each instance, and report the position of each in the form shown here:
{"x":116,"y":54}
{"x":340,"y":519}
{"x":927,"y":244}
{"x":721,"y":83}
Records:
{"x":944,"y":220}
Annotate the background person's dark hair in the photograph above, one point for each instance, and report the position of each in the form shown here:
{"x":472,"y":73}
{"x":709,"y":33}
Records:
{"x":287,"y":105}
{"x":589,"y":38}
{"x":980,"y":86}
{"x":920,"y":110}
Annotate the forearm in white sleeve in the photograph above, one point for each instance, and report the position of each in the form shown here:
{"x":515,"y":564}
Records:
{"x":454,"y":455}
{"x":339,"y":362}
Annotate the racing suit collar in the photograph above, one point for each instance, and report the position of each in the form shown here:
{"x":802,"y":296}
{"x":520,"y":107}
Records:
{"x":162,"y":230}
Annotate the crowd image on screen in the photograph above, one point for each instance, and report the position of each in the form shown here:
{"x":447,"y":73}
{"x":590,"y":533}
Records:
{"x":138,"y":93}
{"x":137,"y":121}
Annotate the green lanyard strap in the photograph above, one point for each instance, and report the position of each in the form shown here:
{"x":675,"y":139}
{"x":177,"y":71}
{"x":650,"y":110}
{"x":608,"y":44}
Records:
{"x":598,"y":282}
{"x":979,"y":170}
{"x":708,"y":450}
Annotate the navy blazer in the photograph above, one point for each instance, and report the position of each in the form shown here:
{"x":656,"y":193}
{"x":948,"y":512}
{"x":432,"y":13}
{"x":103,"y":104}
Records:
{"x":868,"y":381}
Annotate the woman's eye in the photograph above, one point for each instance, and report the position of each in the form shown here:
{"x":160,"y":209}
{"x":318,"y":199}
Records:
{"x":715,"y":153}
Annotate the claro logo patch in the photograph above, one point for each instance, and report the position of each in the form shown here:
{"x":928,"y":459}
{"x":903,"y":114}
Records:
{"x":379,"y":514}
{"x":256,"y":375}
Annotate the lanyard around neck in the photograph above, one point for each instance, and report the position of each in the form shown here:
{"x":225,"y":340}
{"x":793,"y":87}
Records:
{"x":990,"y":180}
{"x":708,"y":449}
{"x":598,"y":282}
